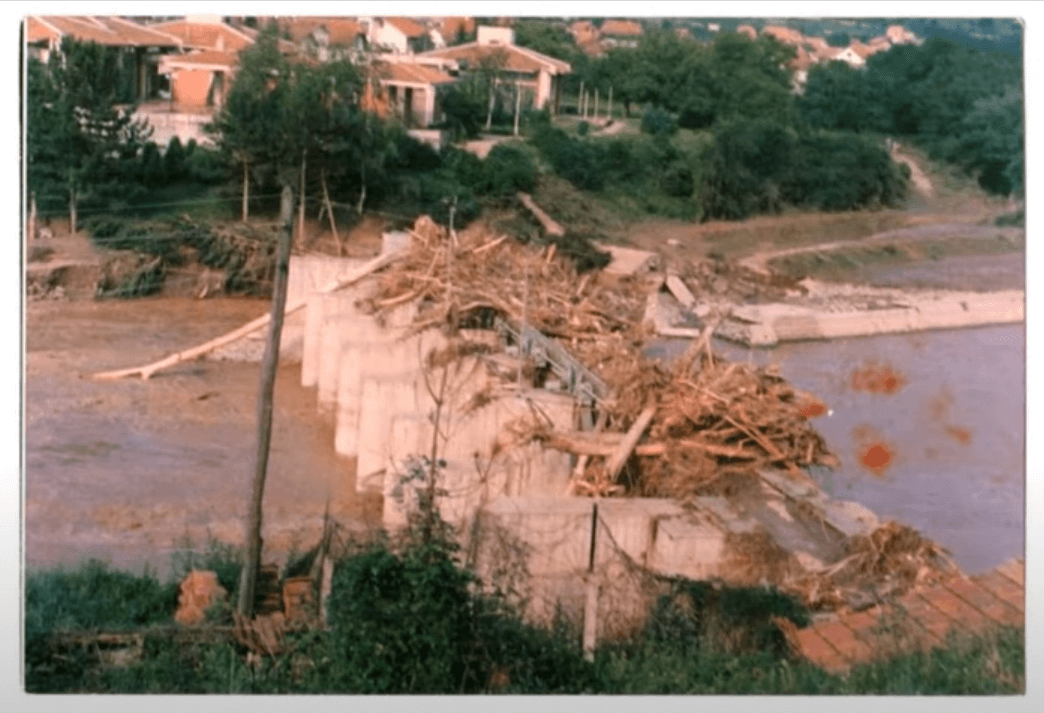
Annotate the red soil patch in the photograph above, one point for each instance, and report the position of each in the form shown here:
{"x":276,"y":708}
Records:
{"x":811,"y":407}
{"x":876,"y":457}
{"x":877,"y":380}
{"x":961,"y":435}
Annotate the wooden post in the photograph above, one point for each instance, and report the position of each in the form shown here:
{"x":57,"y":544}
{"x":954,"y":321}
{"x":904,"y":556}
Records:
{"x":609,"y":111}
{"x":301,"y":208}
{"x":518,"y":104}
{"x":596,"y":104}
{"x":245,"y":605}
{"x":329,"y":211}
{"x":580,"y":99}
{"x":246,"y":191}
{"x":591,"y":599}
{"x":32,"y":217}
{"x":72,"y":211}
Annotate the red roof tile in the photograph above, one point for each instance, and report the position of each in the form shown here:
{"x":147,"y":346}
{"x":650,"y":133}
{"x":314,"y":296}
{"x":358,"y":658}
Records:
{"x":112,"y":31}
{"x":621,"y":28}
{"x":450,"y":27}
{"x":204,"y":35}
{"x":208,"y":58}
{"x":517,"y":59}
{"x":406,"y":26}
{"x":408,"y":72}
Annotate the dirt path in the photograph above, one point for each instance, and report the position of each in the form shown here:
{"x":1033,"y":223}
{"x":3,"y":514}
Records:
{"x":127,"y":470}
{"x":922,"y":184}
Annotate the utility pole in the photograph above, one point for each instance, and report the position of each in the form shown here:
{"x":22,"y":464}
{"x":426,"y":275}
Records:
{"x":245,"y":605}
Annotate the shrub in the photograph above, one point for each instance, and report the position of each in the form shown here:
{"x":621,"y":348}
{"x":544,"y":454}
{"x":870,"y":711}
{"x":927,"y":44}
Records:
{"x":91,"y":597}
{"x":507,"y":170}
{"x":174,"y":159}
{"x":659,"y":122}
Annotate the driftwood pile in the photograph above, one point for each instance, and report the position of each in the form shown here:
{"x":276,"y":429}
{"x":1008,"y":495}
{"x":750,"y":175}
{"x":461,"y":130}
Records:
{"x":699,"y":426}
{"x":476,"y":271}
{"x":889,"y":562}
{"x":711,"y":420}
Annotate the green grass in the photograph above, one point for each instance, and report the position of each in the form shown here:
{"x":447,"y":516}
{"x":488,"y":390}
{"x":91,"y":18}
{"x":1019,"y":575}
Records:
{"x":846,"y":263}
{"x":720,"y":643}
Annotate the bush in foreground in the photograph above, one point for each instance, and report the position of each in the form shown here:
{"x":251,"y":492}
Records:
{"x":412,"y":620}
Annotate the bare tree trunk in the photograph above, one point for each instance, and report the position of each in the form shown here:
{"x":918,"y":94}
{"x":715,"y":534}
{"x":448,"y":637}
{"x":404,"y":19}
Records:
{"x":609,"y":111}
{"x":301,"y":208}
{"x":72,"y":210}
{"x":596,"y":104}
{"x":362,"y":190}
{"x":580,"y":99}
{"x":329,"y":211}
{"x":492,"y":100}
{"x":518,"y":104}
{"x":32,"y":217}
{"x":246,"y":191}
{"x":248,"y":578}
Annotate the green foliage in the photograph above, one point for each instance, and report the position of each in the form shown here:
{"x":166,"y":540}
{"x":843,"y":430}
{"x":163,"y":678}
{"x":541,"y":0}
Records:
{"x":174,"y":159}
{"x":508,"y":169}
{"x":838,"y":98}
{"x":838,"y":39}
{"x":659,"y":122}
{"x":412,"y":620}
{"x":464,"y":109}
{"x":91,"y":597}
{"x":961,"y":105}
{"x":839,"y":171}
{"x":761,"y":166}
{"x":83,"y":151}
{"x":546,"y":38}
{"x":401,"y":624}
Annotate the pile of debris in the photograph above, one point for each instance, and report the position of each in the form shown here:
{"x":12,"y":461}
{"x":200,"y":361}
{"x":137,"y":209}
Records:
{"x":737,"y":283}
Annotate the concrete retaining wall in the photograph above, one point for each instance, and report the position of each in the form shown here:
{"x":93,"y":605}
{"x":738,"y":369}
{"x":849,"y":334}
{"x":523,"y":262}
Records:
{"x":551,"y":539}
{"x":766,"y":325}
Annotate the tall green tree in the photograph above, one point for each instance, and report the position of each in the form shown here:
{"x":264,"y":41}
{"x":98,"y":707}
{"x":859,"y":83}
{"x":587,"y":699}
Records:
{"x":248,"y":123}
{"x":837,"y":97}
{"x":83,"y":146}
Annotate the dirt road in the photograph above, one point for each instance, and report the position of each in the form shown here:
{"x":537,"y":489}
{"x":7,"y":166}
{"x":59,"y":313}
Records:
{"x":130,"y":470}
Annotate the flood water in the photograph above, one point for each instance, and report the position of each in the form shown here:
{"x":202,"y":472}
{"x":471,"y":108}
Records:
{"x":941,"y":449}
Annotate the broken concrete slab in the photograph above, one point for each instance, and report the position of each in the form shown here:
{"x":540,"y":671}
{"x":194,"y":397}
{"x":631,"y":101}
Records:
{"x":628,"y":261}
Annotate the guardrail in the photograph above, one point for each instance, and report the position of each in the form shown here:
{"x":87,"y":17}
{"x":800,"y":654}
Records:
{"x":578,"y":379}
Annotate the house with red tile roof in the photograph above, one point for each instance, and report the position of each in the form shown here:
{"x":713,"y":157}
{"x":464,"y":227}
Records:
{"x":141,"y":47}
{"x":748,"y":30}
{"x":620,"y":33}
{"x":397,"y":35}
{"x":327,"y":38}
{"x":450,"y":31}
{"x":409,"y":90}
{"x":583,"y":32}
{"x":537,"y":74}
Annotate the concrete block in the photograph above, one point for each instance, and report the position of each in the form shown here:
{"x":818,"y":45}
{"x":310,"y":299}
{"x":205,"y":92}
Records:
{"x":310,"y":346}
{"x":349,"y":402}
{"x":686,"y":547}
{"x":556,"y":531}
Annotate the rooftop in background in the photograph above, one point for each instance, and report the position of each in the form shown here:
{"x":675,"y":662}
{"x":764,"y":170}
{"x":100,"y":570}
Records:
{"x":112,"y":31}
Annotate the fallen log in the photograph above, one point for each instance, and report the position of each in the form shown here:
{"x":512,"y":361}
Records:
{"x":550,"y":226}
{"x":148,"y":370}
{"x":634,"y":434}
{"x":587,"y":444}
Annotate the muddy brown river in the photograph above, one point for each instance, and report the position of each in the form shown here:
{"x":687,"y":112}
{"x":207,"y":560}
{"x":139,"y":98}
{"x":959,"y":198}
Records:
{"x":929,"y":428}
